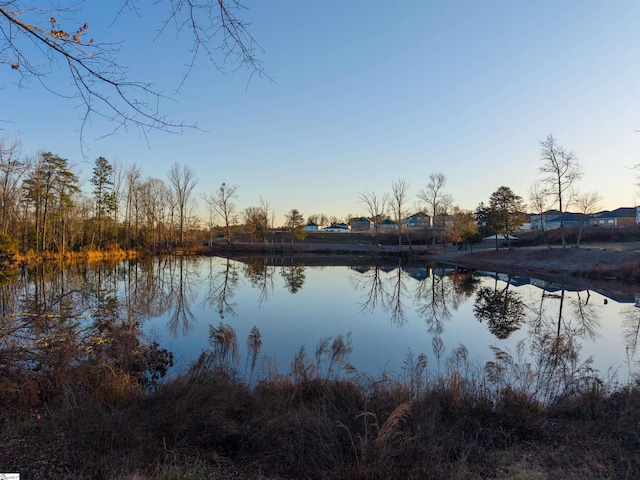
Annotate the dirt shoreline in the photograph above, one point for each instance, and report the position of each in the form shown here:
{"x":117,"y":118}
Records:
{"x":595,"y":261}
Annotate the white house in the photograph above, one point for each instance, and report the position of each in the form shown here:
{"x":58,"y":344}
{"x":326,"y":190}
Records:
{"x":337,"y":228}
{"x":311,"y":227}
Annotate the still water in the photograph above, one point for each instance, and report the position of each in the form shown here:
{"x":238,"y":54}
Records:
{"x":389,"y":310}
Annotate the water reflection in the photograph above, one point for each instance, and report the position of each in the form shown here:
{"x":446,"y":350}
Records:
{"x":71,"y":321}
{"x":260,"y":275}
{"x":55,"y":315}
{"x":293,"y":276}
{"x":221,"y":285}
{"x":630,"y":333}
{"x":503,"y":310}
{"x":383,"y":288}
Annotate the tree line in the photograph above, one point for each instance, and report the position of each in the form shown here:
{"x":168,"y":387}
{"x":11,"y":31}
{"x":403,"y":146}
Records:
{"x":44,"y":209}
{"x":502,"y":215}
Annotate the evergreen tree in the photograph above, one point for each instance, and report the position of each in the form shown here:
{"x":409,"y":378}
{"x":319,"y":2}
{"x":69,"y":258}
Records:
{"x":50,"y":188}
{"x":105,"y":199}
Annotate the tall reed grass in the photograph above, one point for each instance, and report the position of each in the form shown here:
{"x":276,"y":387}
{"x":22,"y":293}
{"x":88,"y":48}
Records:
{"x":513,"y":417}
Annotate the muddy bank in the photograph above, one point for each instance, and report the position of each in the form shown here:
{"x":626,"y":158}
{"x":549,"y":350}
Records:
{"x":597,"y":262}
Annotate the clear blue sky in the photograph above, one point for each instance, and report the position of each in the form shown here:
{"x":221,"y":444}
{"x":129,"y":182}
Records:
{"x":366,"y":92}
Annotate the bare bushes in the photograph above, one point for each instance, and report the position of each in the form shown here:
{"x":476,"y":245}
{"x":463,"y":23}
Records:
{"x":544,"y":415}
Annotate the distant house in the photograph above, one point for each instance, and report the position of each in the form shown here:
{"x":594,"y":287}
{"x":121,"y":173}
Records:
{"x":569,"y":220}
{"x":388,"y":226}
{"x":311,"y":227}
{"x":539,"y":221}
{"x":551,"y":219}
{"x":337,"y":228}
{"x":360,"y":224}
{"x":417,"y":220}
{"x":616,"y":218}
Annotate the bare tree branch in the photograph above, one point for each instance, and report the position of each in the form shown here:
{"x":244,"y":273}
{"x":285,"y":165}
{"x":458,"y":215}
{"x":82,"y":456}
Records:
{"x":33,"y":43}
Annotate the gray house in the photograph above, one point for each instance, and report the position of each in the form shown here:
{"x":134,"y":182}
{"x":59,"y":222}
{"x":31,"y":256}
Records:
{"x":616,"y":218}
{"x":417,"y":220}
{"x":552,"y":218}
{"x":388,"y":226}
{"x":360,"y":224}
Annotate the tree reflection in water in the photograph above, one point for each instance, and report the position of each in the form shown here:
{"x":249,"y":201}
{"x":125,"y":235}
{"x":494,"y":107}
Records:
{"x":221,"y":286}
{"x":503,"y":310}
{"x":57,"y":318}
{"x":553,"y":367}
{"x":631,"y":334}
{"x":71,"y":326}
{"x":547,"y":363}
{"x":384,"y":288}
{"x":260,"y":275}
{"x":437,"y":292}
{"x":181,"y":293}
{"x":293,"y":276}
{"x":371,"y":281}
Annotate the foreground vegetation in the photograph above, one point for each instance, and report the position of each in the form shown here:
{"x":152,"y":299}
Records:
{"x":321,"y":418}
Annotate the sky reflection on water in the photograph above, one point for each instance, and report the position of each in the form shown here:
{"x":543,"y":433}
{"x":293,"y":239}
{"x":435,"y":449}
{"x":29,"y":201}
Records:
{"x":389,"y":312}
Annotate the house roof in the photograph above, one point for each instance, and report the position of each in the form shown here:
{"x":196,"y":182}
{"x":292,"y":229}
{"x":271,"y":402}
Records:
{"x":570,"y":217}
{"x":388,"y":221}
{"x":549,"y":213}
{"x":342,"y":226}
{"x":554,"y":216}
{"x":360,"y":219}
{"x":418,"y":215}
{"x":622,"y":212}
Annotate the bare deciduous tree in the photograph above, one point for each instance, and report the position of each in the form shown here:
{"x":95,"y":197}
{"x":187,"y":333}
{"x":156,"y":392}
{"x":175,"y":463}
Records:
{"x":132,"y":206}
{"x":437,"y":202}
{"x":267,"y":213}
{"x":12,"y":168}
{"x":563,"y":171}
{"x":399,"y":199}
{"x":183,"y":180}
{"x":376,"y":208}
{"x":540,"y":203}
{"x":118,"y":179}
{"x":222,"y":203}
{"x":155,"y":200}
{"x":35,"y":40}
{"x":587,"y":203}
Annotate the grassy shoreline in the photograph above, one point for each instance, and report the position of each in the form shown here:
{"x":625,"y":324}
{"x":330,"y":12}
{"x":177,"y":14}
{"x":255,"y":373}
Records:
{"x":91,"y":414}
{"x":323,"y":420}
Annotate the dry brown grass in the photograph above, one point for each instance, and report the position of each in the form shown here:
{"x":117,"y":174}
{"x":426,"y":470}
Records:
{"x":312,"y":422}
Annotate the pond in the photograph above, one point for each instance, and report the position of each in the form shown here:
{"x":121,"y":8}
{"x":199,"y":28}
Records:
{"x":388,"y":313}
{"x":391,"y":309}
